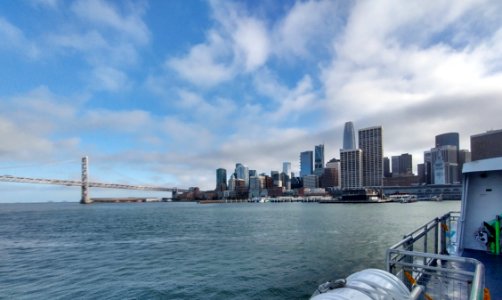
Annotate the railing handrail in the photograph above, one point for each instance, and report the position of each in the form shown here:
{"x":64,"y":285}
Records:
{"x":396,"y":255}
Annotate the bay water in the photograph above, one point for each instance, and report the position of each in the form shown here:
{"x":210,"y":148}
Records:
{"x":195,"y":251}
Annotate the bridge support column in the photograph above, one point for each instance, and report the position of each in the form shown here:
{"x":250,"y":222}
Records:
{"x":85,"y":183}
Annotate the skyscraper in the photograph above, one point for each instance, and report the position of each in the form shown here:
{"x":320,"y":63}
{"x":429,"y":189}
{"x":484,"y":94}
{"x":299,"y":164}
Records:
{"x":444,"y":164}
{"x":306,"y":162}
{"x":221,"y":179}
{"x":351,"y":168}
{"x":486,"y":145}
{"x":319,"y":160}
{"x":349,"y":139}
{"x":242,"y":172}
{"x":286,"y":168}
{"x":371,"y":143}
{"x":386,"y":167}
{"x":448,"y":139}
{"x":402,"y":165}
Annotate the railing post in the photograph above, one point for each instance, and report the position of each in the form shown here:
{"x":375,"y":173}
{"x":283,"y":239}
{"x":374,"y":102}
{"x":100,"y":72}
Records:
{"x":408,"y":246}
{"x":436,"y":236}
{"x":443,"y":236}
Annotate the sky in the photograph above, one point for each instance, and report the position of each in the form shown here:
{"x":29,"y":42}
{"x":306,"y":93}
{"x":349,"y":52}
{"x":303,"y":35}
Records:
{"x":165,"y":92}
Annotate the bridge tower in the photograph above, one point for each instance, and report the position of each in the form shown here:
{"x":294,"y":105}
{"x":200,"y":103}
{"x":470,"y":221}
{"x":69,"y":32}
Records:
{"x":85,"y":182}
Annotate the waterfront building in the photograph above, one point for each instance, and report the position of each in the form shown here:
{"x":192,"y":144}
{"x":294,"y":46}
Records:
{"x":306,"y":163}
{"x":311,"y":181}
{"x":421,"y":173}
{"x":408,"y":180}
{"x":296,"y":183}
{"x":331,"y":174}
{"x":285,"y":180}
{"x":221,"y":179}
{"x":395,"y":165}
{"x":445,"y":165}
{"x":241,"y":189}
{"x":351,"y":168}
{"x":371,"y":144}
{"x":256,"y":185}
{"x":386,"y":167}
{"x":486,"y":145}
{"x":276,"y":177}
{"x":428,"y":167}
{"x":402,"y":165}
{"x":349,"y":139}
{"x":319,"y":159}
{"x":242,"y":172}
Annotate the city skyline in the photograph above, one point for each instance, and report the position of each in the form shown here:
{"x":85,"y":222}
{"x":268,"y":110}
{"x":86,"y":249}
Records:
{"x":165,"y":92}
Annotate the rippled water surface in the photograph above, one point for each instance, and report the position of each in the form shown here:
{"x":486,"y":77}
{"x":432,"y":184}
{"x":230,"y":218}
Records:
{"x":192,"y":251}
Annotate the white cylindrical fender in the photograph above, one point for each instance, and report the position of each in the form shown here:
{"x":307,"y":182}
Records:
{"x":369,"y":284}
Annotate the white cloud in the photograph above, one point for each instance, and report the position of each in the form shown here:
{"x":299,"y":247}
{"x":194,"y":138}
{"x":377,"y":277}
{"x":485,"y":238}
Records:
{"x":51,"y":4}
{"x":13,"y":38}
{"x":409,"y":67}
{"x":110,"y":79}
{"x":185,"y":136}
{"x":103,"y":13}
{"x":132,"y":121}
{"x":205,"y":64}
{"x":301,"y":30}
{"x":251,"y":42}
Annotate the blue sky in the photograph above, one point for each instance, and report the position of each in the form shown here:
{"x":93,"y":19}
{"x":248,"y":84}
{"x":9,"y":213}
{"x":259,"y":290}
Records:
{"x":165,"y":92}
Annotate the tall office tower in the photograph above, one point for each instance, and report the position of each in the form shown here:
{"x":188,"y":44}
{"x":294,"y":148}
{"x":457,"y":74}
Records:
{"x":464,"y":157}
{"x":406,"y":164}
{"x":371,"y":143}
{"x":448,"y":139}
{"x":255,"y":186}
{"x":252,"y":173}
{"x":395,"y":166}
{"x":331,"y":175}
{"x":221,"y":179}
{"x":276,"y":177}
{"x":285,"y":180}
{"x":319,"y":160}
{"x":306,"y":161}
{"x":421,"y":173}
{"x":486,"y":145}
{"x":428,"y":167}
{"x":444,"y":165}
{"x":386,"y":167}
{"x":231,"y":183}
{"x":349,"y":138}
{"x":242,"y":172}
{"x":286,"y":168}
{"x":351,"y":168}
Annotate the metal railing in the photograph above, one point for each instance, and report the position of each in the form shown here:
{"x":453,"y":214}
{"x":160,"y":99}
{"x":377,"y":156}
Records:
{"x":421,"y":260}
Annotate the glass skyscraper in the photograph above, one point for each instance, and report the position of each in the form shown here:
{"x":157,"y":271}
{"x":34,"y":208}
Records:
{"x":221,"y":179}
{"x":349,"y":139}
{"x":319,"y":159}
{"x":306,"y":163}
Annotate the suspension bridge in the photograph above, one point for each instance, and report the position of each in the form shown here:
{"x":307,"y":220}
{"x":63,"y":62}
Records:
{"x":85,"y":184}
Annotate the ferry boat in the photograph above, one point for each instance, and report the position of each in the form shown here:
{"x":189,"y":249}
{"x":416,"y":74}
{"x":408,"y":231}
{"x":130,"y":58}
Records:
{"x":403,"y":198}
{"x":454,"y":256}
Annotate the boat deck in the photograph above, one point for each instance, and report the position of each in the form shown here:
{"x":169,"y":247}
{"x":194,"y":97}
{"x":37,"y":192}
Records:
{"x":493,"y":269}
